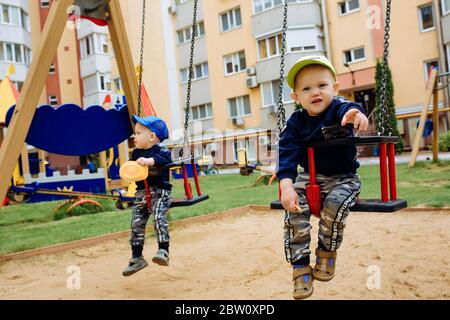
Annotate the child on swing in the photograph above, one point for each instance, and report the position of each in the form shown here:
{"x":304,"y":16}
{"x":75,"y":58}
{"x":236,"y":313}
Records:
{"x":149,"y":132}
{"x":314,"y":85}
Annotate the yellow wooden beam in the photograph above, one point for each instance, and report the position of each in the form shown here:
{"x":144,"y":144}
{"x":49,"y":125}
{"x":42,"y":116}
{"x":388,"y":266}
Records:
{"x":423,"y":117}
{"x":31,"y":91}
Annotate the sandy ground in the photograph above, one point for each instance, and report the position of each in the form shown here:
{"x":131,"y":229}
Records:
{"x":242,"y":258}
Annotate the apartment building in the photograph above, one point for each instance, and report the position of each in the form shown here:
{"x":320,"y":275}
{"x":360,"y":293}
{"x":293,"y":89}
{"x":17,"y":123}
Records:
{"x":356,"y":30}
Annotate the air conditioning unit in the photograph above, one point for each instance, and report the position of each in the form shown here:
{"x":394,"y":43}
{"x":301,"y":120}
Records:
{"x":238,"y":121}
{"x":172,"y":9}
{"x":251,"y":71}
{"x":272,"y":109}
{"x":264,"y":140}
{"x":251,"y":82}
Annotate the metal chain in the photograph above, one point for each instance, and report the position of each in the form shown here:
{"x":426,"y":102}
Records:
{"x":281,"y":112}
{"x":384,"y":112}
{"x":188,"y":94}
{"x":141,"y":61}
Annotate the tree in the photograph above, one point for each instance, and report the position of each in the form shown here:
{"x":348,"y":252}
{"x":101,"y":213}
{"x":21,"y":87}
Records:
{"x":390,"y":104}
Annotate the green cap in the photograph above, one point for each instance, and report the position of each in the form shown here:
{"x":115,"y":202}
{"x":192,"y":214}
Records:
{"x":307,"y":61}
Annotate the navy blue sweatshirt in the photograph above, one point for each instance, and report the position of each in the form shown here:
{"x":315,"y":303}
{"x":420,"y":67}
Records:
{"x":303,"y":129}
{"x":162,"y":157}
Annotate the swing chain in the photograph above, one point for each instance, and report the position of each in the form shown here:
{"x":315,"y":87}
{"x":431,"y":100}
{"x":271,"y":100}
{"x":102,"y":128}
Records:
{"x":384,"y":112}
{"x":281,"y":112}
{"x":141,"y":61}
{"x":188,"y":95}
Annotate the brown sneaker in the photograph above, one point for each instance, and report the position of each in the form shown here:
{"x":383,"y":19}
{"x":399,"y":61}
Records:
{"x":303,"y":283}
{"x":325,"y":265}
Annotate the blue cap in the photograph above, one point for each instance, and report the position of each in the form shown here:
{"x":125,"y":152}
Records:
{"x":155,"y":124}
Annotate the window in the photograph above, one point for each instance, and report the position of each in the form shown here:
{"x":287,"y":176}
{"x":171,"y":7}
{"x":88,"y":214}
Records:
{"x":181,"y":1}
{"x":199,"y":71}
{"x":201,"y":112}
{"x":52,"y":68}
{"x":45,"y":3}
{"x":445,"y":6}
{"x":87,"y":46}
{"x":354,"y":55}
{"x":25,"y":20}
{"x":90,"y":84}
{"x":239,"y":106}
{"x":101,"y":43}
{"x":105,"y":83}
{"x":271,"y":90}
{"x":428,"y":65}
{"x":348,"y":6}
{"x":118,"y":85}
{"x":231,"y":19}
{"x":426,"y":18}
{"x":53,"y":100}
{"x":269,"y":47}
{"x":12,"y":52}
{"x":184,"y":35}
{"x":235,"y":63}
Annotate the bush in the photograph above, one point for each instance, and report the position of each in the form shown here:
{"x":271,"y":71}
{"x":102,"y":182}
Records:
{"x":444,"y":142}
{"x":107,"y":205}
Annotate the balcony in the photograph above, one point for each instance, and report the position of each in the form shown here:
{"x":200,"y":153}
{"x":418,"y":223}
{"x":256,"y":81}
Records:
{"x":200,"y":92}
{"x":307,"y":13}
{"x":269,"y":69}
{"x":95,"y":63}
{"x":184,"y":52}
{"x":184,"y":14}
{"x":15,"y":34}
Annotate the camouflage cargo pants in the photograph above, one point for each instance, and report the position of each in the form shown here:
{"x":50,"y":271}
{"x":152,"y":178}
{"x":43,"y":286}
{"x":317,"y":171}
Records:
{"x":338,"y":192}
{"x":140,"y":214}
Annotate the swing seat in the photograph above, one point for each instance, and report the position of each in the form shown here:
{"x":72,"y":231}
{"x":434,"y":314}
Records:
{"x":188,"y":202}
{"x":376,"y":205}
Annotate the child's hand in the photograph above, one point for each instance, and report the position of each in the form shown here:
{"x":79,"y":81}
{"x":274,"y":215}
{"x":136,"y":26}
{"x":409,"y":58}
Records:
{"x":146,"y":162}
{"x":356,"y":117}
{"x":289,"y":199}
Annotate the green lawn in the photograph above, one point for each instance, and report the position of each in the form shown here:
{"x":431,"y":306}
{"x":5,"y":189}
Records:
{"x":28,"y":226}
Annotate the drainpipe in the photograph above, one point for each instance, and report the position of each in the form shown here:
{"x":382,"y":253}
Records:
{"x":442,"y":54}
{"x":325,"y":28}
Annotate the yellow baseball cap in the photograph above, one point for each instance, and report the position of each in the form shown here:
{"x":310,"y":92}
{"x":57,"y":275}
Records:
{"x":307,"y":61}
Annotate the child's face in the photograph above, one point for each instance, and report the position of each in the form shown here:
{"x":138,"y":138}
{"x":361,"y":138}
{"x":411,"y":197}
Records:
{"x":144,"y":138}
{"x":315,"y":88}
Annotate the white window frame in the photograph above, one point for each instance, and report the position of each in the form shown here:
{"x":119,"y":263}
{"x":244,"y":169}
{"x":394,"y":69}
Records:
{"x":205,"y":72}
{"x":421,"y":18}
{"x":181,"y":1}
{"x":445,"y":9}
{"x":230,"y":13}
{"x":118,"y":84}
{"x":188,"y":31}
{"x":352,"y":53}
{"x":106,"y":80}
{"x":347,"y":9}
{"x":239,"y":107}
{"x":13,"y":52}
{"x":83,"y":47}
{"x":196,"y":109}
{"x":235,"y":61}
{"x":9,"y":8}
{"x":267,"y":45}
{"x":286,"y":94}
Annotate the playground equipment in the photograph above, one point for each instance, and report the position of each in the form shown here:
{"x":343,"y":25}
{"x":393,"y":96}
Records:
{"x":246,"y":168}
{"x":384,"y":140}
{"x":22,"y":124}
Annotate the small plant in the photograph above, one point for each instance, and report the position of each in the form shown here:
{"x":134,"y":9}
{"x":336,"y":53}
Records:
{"x":444,"y":142}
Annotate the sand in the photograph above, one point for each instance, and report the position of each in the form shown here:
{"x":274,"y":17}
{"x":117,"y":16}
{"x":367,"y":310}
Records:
{"x":404,"y":255}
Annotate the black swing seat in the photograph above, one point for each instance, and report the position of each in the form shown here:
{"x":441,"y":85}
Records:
{"x":366,"y":205}
{"x":188,"y":202}
{"x":362,"y":205}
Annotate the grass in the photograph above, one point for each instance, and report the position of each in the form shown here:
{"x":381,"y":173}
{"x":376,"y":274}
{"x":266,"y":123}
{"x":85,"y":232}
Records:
{"x":29,"y":226}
